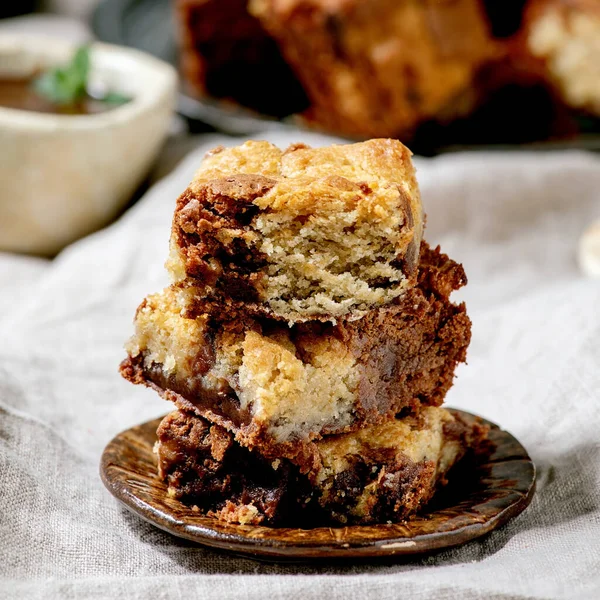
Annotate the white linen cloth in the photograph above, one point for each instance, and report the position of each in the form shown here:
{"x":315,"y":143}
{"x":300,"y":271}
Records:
{"x":534,"y":367}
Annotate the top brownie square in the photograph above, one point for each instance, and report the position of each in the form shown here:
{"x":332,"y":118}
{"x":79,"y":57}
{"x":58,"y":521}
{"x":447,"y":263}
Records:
{"x":300,"y":234}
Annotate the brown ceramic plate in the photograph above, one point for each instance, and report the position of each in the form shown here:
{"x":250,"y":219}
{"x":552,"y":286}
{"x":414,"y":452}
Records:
{"x":479,"y":498}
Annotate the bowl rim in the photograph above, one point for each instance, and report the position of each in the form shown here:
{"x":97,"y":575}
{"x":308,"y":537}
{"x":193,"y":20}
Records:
{"x":163,"y":87}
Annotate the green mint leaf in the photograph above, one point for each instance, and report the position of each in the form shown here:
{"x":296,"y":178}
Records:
{"x":66,"y":85}
{"x":53,"y":87}
{"x":80,"y":65}
{"x":115,"y":98}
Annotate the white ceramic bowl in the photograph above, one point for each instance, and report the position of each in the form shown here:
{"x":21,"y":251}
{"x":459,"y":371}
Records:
{"x":64,"y":176}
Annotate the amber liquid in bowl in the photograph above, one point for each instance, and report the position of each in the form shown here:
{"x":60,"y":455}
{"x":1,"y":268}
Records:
{"x":20,"y":94}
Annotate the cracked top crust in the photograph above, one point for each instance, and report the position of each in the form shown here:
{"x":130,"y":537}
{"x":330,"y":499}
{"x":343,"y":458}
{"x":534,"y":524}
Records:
{"x":298,"y":234}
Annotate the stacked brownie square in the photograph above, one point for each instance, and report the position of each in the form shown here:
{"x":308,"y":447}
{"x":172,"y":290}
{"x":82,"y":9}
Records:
{"x":356,"y":68}
{"x":307,"y":339}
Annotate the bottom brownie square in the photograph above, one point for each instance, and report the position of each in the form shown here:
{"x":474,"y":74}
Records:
{"x":377,"y":474}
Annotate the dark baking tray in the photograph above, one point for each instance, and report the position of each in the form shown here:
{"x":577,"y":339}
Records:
{"x":515,"y":121}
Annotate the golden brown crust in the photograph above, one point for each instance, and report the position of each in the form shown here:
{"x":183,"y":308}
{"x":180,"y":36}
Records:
{"x":301,"y":234}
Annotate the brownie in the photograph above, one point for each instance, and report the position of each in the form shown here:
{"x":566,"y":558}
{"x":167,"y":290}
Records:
{"x":307,"y":340}
{"x":279,"y":388}
{"x":225,"y":53}
{"x":380,"y":68}
{"x":297,"y":235}
{"x":381,"y":473}
{"x":202,"y":464}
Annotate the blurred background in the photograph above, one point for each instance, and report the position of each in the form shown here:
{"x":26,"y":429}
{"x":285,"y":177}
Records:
{"x":440,"y":75}
{"x":77,"y":8}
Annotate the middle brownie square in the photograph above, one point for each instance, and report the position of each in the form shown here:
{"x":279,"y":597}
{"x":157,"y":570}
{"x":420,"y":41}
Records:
{"x":280,"y":388}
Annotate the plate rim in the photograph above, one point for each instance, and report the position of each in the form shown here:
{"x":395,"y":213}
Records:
{"x":305,"y":549}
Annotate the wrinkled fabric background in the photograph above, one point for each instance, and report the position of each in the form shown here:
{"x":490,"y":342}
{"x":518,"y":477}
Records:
{"x":534,"y":367}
